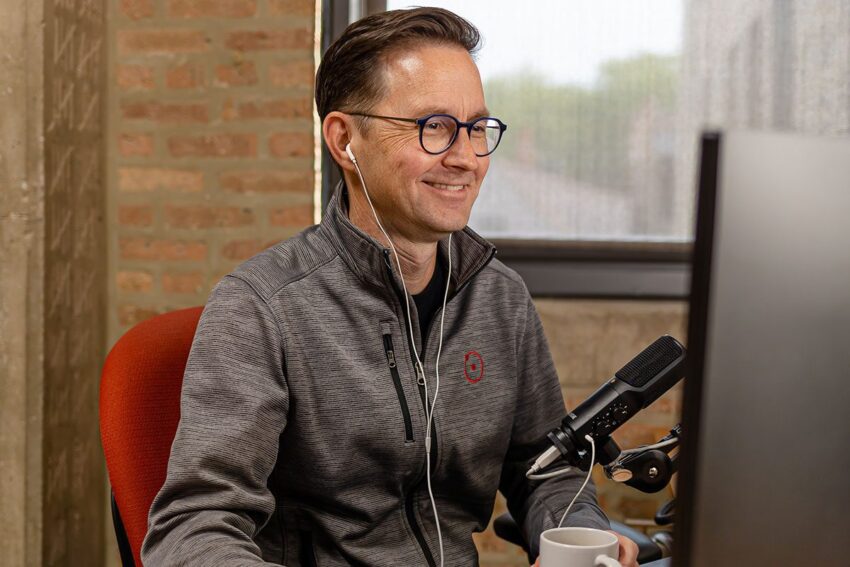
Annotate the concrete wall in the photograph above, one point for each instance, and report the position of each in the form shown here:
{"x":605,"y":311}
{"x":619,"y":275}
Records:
{"x":21,"y":281}
{"x":51,"y":281}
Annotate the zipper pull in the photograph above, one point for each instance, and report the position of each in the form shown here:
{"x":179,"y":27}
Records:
{"x":391,"y":359}
{"x":420,"y":376}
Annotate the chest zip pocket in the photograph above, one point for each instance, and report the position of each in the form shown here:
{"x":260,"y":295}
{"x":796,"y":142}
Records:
{"x":392,"y":363}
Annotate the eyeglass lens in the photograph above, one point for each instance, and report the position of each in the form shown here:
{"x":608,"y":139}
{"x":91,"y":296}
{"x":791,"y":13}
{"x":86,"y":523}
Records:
{"x":439,"y":132}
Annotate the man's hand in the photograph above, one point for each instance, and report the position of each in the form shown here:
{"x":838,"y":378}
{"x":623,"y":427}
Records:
{"x":628,"y":552}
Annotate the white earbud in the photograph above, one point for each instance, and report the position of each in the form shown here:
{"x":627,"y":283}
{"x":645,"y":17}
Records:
{"x":350,"y":153}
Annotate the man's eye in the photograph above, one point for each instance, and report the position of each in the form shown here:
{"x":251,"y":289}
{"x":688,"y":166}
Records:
{"x":434,"y":126}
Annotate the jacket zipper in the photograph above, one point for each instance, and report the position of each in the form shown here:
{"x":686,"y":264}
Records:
{"x":399,"y":390}
{"x":420,"y":380}
{"x":417,"y":532}
{"x":408,"y":499}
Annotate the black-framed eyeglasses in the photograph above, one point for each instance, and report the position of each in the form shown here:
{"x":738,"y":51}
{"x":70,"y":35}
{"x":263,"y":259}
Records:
{"x":437,"y":132}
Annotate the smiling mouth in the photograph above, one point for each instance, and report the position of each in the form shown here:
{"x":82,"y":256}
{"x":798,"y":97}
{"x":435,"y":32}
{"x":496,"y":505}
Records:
{"x":445,"y":187}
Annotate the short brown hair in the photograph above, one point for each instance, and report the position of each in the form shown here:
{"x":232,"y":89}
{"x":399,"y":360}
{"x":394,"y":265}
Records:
{"x":350,"y":74}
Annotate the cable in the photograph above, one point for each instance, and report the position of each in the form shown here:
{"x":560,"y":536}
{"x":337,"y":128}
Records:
{"x":419,"y":368}
{"x":434,"y":402}
{"x":552,"y":474}
{"x":589,"y":470}
{"x":643,"y":448}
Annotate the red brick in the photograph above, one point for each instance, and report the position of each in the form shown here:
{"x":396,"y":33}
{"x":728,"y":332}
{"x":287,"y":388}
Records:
{"x":291,"y":145}
{"x":199,"y":216}
{"x":242,"y":249}
{"x":297,"y":107}
{"x":294,"y":216}
{"x":161,"y":41}
{"x":134,"y":77}
{"x":134,"y":282}
{"x":186,"y":76}
{"x":136,"y":179}
{"x":165,"y":112}
{"x":295,"y":38}
{"x":192,"y":282}
{"x":251,"y":182}
{"x":212,"y":8}
{"x":135,"y":215}
{"x":137,"y":9}
{"x":292,"y":7}
{"x":214,"y":145}
{"x":236,"y":75}
{"x":132,"y":314}
{"x":135,"y":145}
{"x":142,"y":248}
{"x":298,"y":73}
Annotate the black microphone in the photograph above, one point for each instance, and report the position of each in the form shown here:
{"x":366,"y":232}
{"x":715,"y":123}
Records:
{"x":635,"y":386}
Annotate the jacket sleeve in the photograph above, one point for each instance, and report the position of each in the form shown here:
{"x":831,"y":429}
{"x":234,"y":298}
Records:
{"x":233,"y":408}
{"x":537,"y":506}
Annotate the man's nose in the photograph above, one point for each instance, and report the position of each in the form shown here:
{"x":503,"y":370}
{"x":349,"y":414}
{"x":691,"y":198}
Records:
{"x":461,"y":153}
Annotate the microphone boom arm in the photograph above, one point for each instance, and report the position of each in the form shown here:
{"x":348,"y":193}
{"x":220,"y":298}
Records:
{"x":648,"y":468}
{"x":634,"y":387}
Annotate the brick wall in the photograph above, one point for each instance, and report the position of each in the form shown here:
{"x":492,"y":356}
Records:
{"x":211,"y":143}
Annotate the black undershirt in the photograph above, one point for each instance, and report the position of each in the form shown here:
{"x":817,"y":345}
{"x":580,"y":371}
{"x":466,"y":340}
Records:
{"x":430,"y":299}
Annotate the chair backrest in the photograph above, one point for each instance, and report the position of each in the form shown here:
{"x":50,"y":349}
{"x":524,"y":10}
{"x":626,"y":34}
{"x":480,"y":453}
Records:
{"x":140,"y":409}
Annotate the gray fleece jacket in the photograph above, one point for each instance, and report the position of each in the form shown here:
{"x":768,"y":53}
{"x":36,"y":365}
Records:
{"x":302,"y":418}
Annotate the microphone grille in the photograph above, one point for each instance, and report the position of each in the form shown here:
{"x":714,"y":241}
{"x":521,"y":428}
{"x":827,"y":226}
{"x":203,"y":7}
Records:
{"x":651,"y":361}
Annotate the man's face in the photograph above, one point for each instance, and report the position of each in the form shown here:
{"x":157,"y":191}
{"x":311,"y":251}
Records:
{"x":422,"y":196}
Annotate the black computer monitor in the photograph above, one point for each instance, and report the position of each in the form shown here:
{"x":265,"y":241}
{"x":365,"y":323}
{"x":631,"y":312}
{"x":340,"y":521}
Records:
{"x":765,"y":459}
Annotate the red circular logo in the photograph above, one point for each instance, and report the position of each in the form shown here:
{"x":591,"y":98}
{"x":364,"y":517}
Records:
{"x":473,"y":367}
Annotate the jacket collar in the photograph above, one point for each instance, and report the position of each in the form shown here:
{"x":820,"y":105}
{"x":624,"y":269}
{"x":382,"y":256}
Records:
{"x":369,"y":260}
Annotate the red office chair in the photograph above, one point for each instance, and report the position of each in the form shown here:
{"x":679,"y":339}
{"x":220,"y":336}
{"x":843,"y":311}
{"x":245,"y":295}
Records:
{"x":139,"y":412}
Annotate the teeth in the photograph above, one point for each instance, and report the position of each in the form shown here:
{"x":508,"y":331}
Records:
{"x":447,"y":187}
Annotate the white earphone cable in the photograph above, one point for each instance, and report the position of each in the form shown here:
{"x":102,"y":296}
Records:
{"x":419,"y":368}
{"x":434,"y":403}
{"x":586,"y":480}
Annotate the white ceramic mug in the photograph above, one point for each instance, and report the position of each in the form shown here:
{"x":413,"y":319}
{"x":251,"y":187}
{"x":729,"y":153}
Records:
{"x":578,"y":547}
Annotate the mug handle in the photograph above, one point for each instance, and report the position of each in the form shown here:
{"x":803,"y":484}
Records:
{"x":606,"y":561}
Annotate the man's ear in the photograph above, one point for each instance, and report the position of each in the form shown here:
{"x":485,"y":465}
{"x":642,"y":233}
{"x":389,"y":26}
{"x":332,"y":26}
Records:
{"x":339,"y":130}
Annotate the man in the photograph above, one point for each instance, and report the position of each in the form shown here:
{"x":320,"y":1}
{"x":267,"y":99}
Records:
{"x":313,"y":375}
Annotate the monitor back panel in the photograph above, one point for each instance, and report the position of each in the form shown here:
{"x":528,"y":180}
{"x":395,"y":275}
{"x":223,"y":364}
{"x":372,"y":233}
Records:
{"x":772,"y":454}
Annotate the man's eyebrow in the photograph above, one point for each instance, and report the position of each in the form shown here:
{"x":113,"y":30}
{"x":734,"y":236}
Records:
{"x":438,"y":110}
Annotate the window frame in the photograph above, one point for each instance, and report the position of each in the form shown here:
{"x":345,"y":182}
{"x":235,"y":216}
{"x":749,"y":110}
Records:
{"x":579,"y":269}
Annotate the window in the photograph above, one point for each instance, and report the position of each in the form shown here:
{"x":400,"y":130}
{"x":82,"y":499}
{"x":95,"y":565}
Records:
{"x":592,"y":190}
{"x":588,"y":90}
